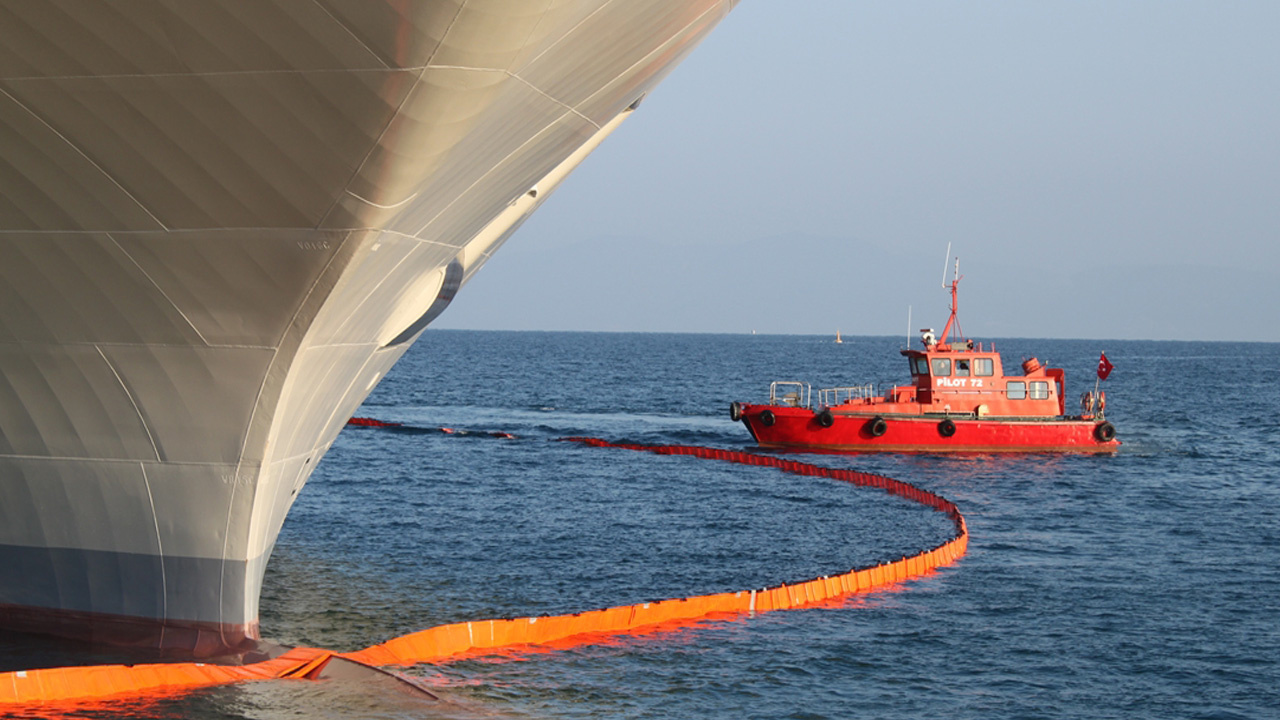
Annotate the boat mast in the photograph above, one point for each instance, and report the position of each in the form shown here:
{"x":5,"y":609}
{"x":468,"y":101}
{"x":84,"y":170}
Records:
{"x":955,"y":283}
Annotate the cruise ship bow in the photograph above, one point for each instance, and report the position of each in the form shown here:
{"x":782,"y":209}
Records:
{"x":221,"y":223}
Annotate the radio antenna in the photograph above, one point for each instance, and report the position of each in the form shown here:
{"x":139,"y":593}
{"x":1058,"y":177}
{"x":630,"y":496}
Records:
{"x":945,"y":258}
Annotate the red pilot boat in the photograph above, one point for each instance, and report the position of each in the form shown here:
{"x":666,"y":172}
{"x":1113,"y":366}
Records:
{"x":959,"y":400}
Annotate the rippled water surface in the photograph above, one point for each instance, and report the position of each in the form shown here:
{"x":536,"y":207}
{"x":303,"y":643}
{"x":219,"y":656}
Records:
{"x":1143,"y":584}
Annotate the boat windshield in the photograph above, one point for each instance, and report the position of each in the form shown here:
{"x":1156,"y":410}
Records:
{"x":919,"y":366}
{"x":942,"y":367}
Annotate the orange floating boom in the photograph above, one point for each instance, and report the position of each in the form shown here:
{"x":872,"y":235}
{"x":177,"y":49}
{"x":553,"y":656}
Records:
{"x":446,"y":642}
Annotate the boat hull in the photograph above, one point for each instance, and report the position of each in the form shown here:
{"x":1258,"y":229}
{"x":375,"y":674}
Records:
{"x":795,"y":428}
{"x":221,"y":224}
{"x":164,"y":637}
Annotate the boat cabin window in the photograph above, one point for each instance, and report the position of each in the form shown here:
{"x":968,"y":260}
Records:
{"x":941,"y":367}
{"x":1015,"y":389}
{"x":1039,"y":390}
{"x":984,"y":367}
{"x":919,"y":366}
{"x":962,"y":368}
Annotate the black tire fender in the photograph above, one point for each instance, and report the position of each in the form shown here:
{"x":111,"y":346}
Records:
{"x":767,"y":418}
{"x":946,"y":428}
{"x":735,"y":411}
{"x":877,"y":426}
{"x":1104,"y":432}
{"x":826,"y":419}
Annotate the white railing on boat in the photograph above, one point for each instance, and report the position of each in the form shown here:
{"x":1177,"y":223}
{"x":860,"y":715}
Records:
{"x":787,"y":392}
{"x":830,"y":397}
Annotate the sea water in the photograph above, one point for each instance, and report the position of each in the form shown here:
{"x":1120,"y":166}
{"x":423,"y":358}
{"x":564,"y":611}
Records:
{"x":1144,"y":584}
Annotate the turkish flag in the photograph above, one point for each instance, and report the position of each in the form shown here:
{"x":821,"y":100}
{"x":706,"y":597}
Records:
{"x":1104,"y":367}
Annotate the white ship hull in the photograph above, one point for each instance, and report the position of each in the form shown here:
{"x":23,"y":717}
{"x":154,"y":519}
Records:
{"x":221,"y":223}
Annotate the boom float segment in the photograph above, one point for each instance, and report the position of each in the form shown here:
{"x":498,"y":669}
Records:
{"x":447,"y":642}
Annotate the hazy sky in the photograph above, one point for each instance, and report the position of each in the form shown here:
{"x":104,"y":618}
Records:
{"x":1102,"y":169}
